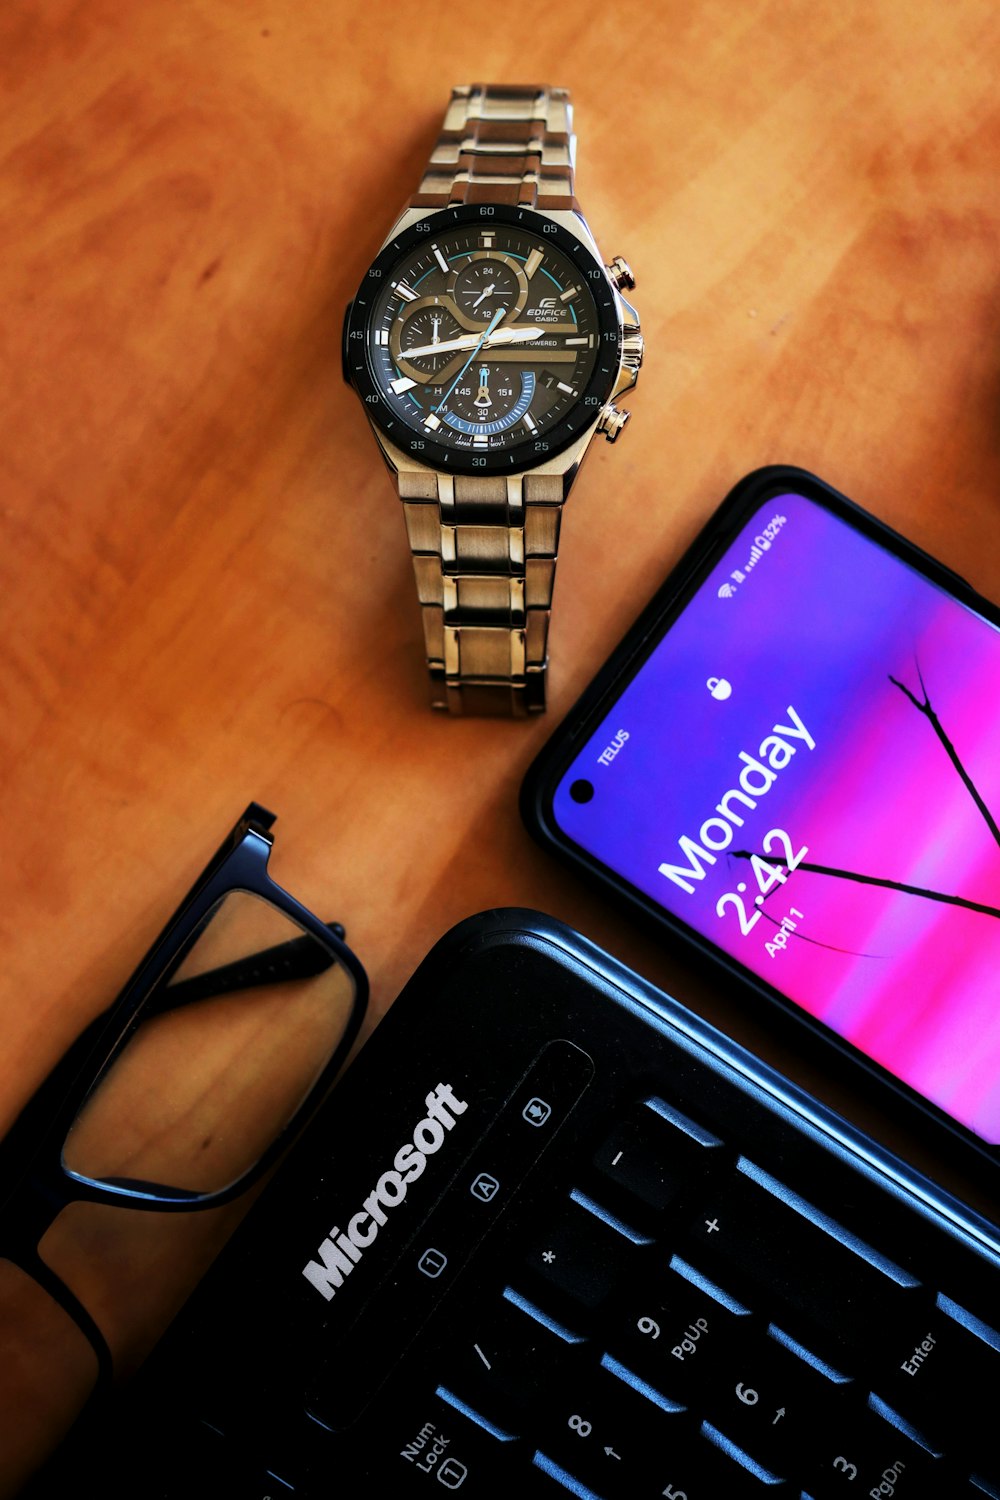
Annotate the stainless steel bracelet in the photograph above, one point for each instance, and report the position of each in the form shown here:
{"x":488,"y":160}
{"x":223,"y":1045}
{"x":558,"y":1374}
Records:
{"x":484,"y":555}
{"x":503,"y":143}
{"x":484,"y":548}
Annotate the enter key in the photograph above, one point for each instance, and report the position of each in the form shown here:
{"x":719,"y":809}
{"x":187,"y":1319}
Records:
{"x":930,"y":1370}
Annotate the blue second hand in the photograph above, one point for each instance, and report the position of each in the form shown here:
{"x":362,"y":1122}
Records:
{"x":482,"y":340}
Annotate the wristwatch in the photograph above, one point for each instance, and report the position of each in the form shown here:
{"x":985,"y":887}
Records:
{"x":488,"y":342}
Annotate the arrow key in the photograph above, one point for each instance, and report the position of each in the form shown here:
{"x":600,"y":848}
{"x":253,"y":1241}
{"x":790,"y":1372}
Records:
{"x":773,"y":1397}
{"x":602,"y":1428}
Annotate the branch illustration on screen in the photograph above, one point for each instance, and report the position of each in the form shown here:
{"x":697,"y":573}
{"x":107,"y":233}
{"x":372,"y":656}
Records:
{"x":925,"y":707}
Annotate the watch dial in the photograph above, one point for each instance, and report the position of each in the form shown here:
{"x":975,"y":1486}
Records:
{"x":490,"y":337}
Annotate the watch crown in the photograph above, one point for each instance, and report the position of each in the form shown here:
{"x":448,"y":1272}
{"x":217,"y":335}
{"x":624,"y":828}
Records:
{"x":632,"y":350}
{"x":621,"y":273}
{"x":611,"y":421}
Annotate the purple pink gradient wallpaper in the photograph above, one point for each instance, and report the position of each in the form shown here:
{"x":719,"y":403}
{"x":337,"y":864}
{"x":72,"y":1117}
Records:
{"x":818,"y":632}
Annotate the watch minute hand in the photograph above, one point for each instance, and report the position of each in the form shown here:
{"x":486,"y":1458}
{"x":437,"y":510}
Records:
{"x":516,"y":334}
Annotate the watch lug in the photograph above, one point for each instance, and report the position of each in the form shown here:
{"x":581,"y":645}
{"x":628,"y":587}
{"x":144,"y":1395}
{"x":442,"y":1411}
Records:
{"x":570,"y":219}
{"x":569,"y":460}
{"x":564,"y":464}
{"x":406,"y":218}
{"x":573,"y":220}
{"x":626,"y":380}
{"x":630,"y":317}
{"x":395,"y":461}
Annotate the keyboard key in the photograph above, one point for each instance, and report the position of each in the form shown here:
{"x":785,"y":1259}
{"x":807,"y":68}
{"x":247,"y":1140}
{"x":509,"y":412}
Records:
{"x":587,"y":1252}
{"x":676,"y":1328}
{"x":801,"y":1267}
{"x":775,"y":1400}
{"x":876,"y":1455}
{"x":653,"y":1152}
{"x":936,"y":1361}
{"x":441,"y":1438}
{"x":605,"y":1427}
{"x":507,"y":1356}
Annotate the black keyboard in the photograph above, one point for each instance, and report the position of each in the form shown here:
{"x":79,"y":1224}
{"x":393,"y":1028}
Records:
{"x":554,"y":1236}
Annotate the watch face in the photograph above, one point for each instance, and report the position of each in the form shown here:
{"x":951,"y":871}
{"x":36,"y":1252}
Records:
{"x":484,"y":338}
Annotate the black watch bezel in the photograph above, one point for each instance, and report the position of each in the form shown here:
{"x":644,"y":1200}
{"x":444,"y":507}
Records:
{"x":532,"y":452}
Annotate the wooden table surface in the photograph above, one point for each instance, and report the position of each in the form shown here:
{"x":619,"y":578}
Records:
{"x":205,"y":588}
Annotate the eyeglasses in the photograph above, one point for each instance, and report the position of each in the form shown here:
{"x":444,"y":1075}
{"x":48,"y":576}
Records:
{"x":185,"y":1091}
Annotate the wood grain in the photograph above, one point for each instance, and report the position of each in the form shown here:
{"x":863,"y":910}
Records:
{"x":204,"y":585}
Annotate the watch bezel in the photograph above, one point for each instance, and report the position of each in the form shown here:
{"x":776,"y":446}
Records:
{"x":532,"y":452}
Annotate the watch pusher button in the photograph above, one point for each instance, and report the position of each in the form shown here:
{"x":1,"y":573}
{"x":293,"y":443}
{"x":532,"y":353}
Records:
{"x":621,"y":273}
{"x":611,"y":421}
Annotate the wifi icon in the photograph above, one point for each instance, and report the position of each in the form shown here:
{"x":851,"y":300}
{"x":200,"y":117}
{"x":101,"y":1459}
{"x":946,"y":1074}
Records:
{"x":726,"y":591}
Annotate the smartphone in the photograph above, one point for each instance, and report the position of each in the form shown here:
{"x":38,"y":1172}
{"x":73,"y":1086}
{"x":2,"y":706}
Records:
{"x":792,"y":764}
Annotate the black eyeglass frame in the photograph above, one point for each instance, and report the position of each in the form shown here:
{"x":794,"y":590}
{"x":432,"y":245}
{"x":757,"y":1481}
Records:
{"x":35,"y":1183}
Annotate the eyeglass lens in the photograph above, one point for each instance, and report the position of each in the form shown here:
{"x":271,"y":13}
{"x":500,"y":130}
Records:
{"x":227,"y":1049}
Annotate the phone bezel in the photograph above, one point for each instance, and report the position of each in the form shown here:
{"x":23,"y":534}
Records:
{"x":542,"y":778}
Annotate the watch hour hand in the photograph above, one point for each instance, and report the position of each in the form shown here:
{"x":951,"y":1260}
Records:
{"x":500,"y":313}
{"x":514,"y":333}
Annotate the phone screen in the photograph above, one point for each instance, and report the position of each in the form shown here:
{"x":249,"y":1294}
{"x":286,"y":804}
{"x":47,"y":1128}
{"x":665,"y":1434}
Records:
{"x":806,"y":770}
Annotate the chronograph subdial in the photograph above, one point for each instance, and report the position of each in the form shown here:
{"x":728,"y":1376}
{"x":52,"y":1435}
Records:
{"x":422,"y":325}
{"x":489,"y":399}
{"x":489,"y":281}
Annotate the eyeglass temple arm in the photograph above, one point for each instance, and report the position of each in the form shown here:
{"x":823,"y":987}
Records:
{"x":60,"y":1292}
{"x":297,"y":958}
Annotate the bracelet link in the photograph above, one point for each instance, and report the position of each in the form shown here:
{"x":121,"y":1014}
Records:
{"x":504,"y":144}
